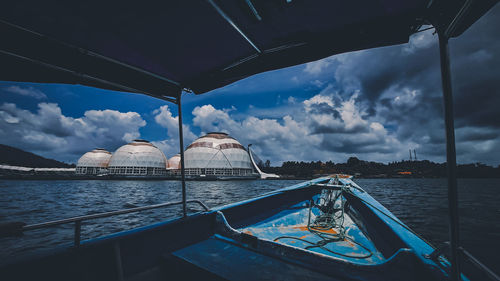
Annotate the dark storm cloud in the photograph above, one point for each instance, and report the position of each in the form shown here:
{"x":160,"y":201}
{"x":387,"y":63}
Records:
{"x":380,"y":69}
{"x":420,"y":121}
{"x":477,"y":134}
{"x":393,"y":67}
{"x":431,"y":150}
{"x":317,"y":129}
{"x":401,"y":87}
{"x":475,"y":65}
{"x":336,"y":124}
{"x":324,"y":129}
{"x":355,"y":145}
{"x":475,"y":60}
{"x":324,"y":108}
{"x":477,"y":102}
{"x":373,"y":104}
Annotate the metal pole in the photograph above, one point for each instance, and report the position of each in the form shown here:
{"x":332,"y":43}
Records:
{"x":181,"y":148}
{"x":451,"y":161}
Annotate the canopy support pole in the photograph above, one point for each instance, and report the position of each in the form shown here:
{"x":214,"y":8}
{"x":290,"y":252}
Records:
{"x":451,"y":161}
{"x":181,"y":149}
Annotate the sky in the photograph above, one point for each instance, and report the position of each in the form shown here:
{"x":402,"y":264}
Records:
{"x":373,"y":104}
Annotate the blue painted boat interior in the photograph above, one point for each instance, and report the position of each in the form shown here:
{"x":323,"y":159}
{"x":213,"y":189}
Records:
{"x":288,"y":225}
{"x":265,"y":238}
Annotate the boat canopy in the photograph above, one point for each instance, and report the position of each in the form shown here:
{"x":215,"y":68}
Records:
{"x":159,"y":48}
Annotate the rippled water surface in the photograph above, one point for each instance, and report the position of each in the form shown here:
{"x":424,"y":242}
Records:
{"x":420,"y":203}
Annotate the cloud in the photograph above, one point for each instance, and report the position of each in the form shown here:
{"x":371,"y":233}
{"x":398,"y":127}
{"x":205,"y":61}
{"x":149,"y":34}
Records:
{"x":328,"y":128}
{"x":50,"y":133}
{"x":210,"y":119}
{"x":316,"y":67}
{"x":345,"y":127}
{"x":170,"y":146}
{"x":400,"y":87}
{"x":267,"y":135}
{"x":374,"y":104}
{"x":418,"y":41}
{"x":26,"y":91}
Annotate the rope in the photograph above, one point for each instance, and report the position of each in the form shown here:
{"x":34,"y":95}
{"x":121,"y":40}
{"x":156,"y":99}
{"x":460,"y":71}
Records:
{"x":329,"y":219}
{"x":321,"y":244}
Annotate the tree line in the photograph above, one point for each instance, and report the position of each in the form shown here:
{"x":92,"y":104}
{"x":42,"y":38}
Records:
{"x":361,"y":168}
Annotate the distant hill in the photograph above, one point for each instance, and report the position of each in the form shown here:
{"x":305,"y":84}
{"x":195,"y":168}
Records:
{"x":16,"y":157}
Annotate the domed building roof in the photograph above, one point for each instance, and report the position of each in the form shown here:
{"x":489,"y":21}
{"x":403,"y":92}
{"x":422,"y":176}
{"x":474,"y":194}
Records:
{"x":174,"y":162}
{"x":139,"y":153}
{"x":216,"y":150}
{"x":96,"y":158}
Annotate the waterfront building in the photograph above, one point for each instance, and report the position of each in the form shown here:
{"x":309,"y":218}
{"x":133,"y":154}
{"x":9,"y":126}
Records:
{"x":219,"y":156}
{"x":93,"y":163}
{"x":139,"y":158}
{"x":174,"y":162}
{"x":174,"y":166}
{"x":213,"y":156}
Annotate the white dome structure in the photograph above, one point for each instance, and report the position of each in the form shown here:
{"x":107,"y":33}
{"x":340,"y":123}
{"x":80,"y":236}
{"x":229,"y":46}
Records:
{"x":138,"y":158}
{"x":217,"y":155}
{"x":94,"y":162}
{"x":174,"y":162}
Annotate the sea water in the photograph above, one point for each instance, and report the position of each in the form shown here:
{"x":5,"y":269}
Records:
{"x":420,"y":203}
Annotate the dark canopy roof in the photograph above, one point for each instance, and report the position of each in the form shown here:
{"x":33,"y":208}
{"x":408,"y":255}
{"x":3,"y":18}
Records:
{"x":160,"y":47}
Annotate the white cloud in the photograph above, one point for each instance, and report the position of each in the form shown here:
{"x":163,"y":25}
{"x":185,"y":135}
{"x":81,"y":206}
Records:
{"x":407,"y":97}
{"x":272,"y":138}
{"x":26,"y":91}
{"x":318,"y":100}
{"x":210,"y":119}
{"x":351,"y":115}
{"x":318,"y":83}
{"x":170,"y":146}
{"x":316,"y":67}
{"x":419,"y":40}
{"x":52,"y":134}
{"x":6,"y":117}
{"x":328,"y":128}
{"x":164,"y":117}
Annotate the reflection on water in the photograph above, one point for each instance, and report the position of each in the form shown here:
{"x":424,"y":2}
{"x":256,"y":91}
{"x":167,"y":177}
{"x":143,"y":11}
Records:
{"x":420,"y":203}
